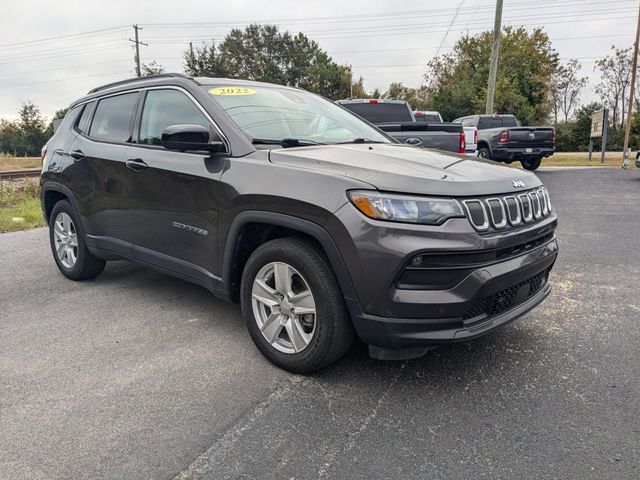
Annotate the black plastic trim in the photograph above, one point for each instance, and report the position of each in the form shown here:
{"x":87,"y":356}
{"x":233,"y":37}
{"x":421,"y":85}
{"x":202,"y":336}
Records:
{"x":312,"y":229}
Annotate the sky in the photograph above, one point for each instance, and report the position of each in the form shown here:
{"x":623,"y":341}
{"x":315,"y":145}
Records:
{"x":384,"y":41}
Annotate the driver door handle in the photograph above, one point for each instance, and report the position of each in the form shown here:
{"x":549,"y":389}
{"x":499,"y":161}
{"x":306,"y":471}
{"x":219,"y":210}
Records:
{"x":76,"y":154}
{"x":136,"y":164}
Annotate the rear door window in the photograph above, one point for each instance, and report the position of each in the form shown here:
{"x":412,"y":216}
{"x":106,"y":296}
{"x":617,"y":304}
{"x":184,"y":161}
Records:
{"x":113,"y":118}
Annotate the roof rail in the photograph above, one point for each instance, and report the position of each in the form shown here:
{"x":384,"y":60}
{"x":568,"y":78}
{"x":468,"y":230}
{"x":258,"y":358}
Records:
{"x":136,"y":79}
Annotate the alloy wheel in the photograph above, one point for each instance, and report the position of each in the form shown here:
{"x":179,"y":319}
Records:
{"x":65,"y":238}
{"x":284,"y":307}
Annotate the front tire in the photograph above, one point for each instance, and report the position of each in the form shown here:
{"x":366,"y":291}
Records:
{"x":68,"y":246}
{"x":293,"y":307}
{"x":531,"y":163}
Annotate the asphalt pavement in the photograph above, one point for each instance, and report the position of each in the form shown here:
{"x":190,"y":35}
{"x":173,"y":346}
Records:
{"x":138,"y":375}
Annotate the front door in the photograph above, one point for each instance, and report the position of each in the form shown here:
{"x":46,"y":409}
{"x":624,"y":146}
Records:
{"x":174,"y":195}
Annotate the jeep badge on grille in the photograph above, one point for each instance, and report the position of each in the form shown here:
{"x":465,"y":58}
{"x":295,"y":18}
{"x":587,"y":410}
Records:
{"x":518,"y":184}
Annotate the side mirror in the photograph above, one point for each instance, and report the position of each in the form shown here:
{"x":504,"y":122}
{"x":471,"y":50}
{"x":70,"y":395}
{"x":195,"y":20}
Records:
{"x":190,"y":137}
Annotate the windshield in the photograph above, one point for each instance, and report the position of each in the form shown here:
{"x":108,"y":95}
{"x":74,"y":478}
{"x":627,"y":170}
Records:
{"x":272,"y":113}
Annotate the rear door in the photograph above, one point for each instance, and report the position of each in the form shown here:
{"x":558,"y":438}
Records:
{"x":173,"y":195}
{"x":99,"y":172}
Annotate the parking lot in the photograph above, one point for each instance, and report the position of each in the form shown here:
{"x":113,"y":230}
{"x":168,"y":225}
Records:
{"x":137,"y":375}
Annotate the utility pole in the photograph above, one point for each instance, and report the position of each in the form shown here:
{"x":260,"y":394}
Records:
{"x":137,"y":44}
{"x":350,"y":81}
{"x":495,"y":51}
{"x":634,"y":69}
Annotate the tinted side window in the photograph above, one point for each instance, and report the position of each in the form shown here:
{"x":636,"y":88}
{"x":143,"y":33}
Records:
{"x":83,"y":123}
{"x":468,"y":122}
{"x":163,"y":108}
{"x":112,"y":120}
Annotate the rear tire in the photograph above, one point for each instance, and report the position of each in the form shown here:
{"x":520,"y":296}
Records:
{"x":531,"y":164}
{"x":484,"y":153}
{"x":322,"y":337}
{"x":68,"y":245}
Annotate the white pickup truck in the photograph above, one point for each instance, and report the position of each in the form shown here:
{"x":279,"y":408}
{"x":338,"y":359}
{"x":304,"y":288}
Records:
{"x":470,"y":133}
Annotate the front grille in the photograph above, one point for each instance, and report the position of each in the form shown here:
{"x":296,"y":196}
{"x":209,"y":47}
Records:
{"x":506,"y":211}
{"x":508,"y":298}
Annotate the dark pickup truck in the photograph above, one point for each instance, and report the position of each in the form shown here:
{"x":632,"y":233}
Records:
{"x":396,"y":119}
{"x":501,"y":138}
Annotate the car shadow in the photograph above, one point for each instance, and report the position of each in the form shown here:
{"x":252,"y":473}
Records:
{"x":492,"y":356}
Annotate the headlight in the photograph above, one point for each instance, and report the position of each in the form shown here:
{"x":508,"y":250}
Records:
{"x":405,"y":208}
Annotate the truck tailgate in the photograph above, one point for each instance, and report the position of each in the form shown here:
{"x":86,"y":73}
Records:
{"x":531,"y":137}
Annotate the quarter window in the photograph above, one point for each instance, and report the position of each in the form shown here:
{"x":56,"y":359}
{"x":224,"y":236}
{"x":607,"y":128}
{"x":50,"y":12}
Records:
{"x":83,"y":123}
{"x":112,"y":120}
{"x":163,"y":108}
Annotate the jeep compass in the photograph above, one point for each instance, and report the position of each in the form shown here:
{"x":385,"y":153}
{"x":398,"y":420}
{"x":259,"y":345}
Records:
{"x":319,"y":224}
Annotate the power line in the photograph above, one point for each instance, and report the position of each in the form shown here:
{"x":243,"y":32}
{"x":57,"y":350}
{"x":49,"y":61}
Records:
{"x":382,"y":16}
{"x":453,"y":20}
{"x":90,"y":32}
{"x":67,"y":54}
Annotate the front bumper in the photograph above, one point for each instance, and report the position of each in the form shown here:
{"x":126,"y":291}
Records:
{"x":491,"y":296}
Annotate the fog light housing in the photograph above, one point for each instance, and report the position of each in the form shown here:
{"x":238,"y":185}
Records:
{"x":416,"y":261}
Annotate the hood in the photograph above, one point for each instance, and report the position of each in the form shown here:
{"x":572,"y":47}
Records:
{"x":406,"y":169}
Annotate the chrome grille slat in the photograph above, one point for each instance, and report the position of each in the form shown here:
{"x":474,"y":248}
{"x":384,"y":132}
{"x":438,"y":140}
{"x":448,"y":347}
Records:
{"x":517,"y":220}
{"x":503,"y":211}
{"x":496,"y":224}
{"x":535,"y":204}
{"x":485,"y":225}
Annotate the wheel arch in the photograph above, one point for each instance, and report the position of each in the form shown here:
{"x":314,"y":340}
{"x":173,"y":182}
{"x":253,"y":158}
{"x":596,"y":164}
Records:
{"x":51,"y":194}
{"x":272,"y":225}
{"x":483,"y":144}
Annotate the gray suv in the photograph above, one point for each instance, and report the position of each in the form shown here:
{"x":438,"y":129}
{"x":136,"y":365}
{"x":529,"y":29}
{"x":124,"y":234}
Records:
{"x":323,"y":227}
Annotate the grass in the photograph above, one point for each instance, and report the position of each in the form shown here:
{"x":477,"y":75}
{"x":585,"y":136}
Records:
{"x":581,"y":159}
{"x":20,"y":205}
{"x":9,"y":162}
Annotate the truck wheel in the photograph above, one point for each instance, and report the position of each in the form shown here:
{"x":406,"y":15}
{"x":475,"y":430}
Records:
{"x":293,"y":307}
{"x":68,"y":247}
{"x":484,"y":153}
{"x":531,"y":163}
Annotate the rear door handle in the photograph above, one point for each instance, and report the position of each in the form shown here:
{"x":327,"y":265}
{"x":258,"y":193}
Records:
{"x":136,"y":164}
{"x":76,"y":154}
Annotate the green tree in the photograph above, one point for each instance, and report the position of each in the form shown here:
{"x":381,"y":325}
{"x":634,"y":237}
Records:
{"x":32,"y":126}
{"x":574,"y":136}
{"x":204,"y":61}
{"x":417,"y":98}
{"x":457,"y":82}
{"x":263,"y":53}
{"x":9,"y":136}
{"x":615,"y":80}
{"x":152,"y":68}
{"x":564,"y":89}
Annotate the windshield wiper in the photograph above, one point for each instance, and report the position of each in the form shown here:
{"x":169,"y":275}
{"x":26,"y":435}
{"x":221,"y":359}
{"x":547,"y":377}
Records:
{"x":285,"y":142}
{"x":359,"y":140}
